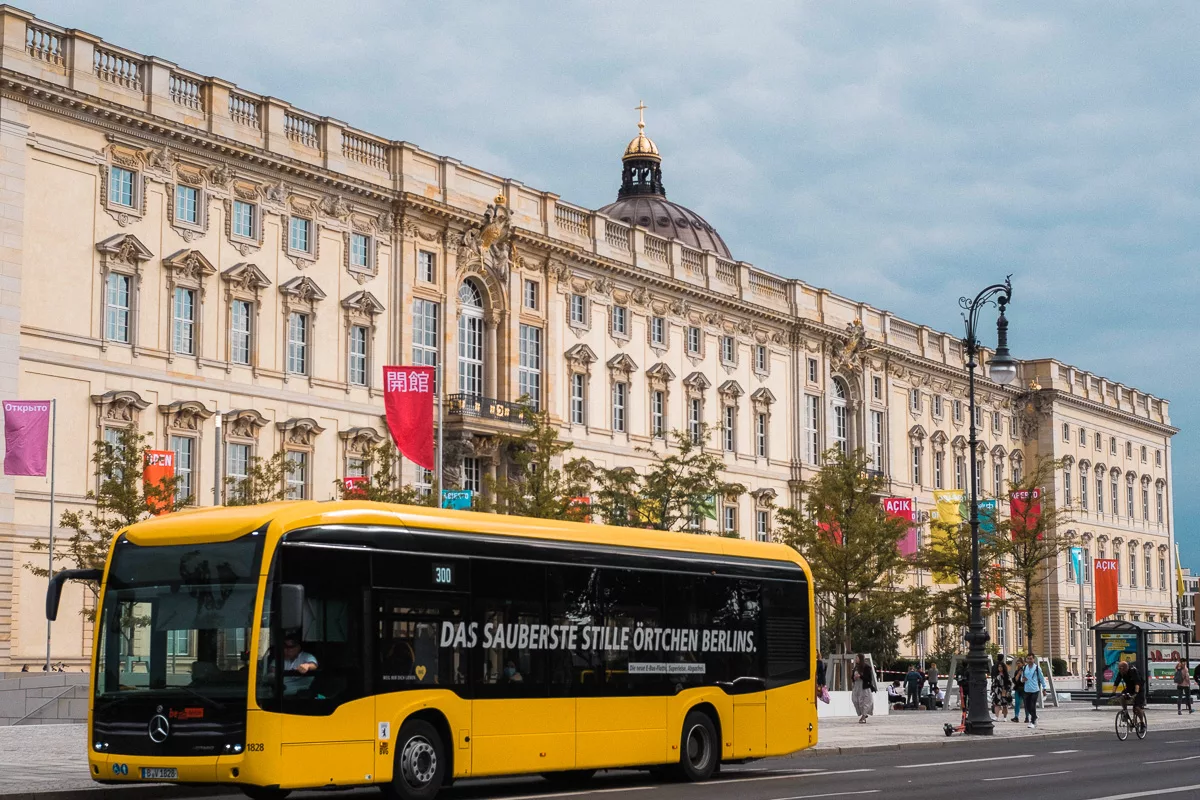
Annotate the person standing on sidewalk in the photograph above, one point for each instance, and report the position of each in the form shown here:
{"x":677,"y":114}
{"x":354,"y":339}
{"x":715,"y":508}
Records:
{"x":1035,"y":684}
{"x":1001,"y":691}
{"x":912,"y":686}
{"x":1184,"y":684}
{"x":1018,"y":690}
{"x":932,"y":675}
{"x":820,"y":675}
{"x":863,"y":689}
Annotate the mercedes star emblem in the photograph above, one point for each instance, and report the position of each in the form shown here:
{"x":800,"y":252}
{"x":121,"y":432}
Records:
{"x":159,"y":728}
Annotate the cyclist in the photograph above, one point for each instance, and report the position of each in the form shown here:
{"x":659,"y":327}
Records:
{"x":1129,"y":677}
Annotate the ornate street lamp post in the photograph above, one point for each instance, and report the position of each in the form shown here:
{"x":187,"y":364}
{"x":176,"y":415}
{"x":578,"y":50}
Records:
{"x":1002,"y":369}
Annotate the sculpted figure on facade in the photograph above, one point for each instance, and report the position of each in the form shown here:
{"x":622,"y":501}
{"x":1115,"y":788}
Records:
{"x":852,"y":354}
{"x":490,"y":244}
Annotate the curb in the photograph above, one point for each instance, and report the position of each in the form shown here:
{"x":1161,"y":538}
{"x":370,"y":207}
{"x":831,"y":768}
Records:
{"x":153,"y":791}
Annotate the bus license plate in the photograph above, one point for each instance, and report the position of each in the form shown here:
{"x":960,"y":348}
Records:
{"x":160,"y":774}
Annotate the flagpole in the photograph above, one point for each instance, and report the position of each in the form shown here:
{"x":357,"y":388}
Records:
{"x":441,"y":392}
{"x":50,"y":566}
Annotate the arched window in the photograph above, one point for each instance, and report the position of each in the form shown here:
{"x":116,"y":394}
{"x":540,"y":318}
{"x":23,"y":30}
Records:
{"x":841,"y":419}
{"x":470,"y":339}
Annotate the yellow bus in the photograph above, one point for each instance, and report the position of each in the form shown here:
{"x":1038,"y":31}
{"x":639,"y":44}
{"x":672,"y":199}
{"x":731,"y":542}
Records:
{"x":332,"y":644}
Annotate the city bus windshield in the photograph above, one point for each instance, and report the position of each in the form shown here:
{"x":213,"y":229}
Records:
{"x":176,"y":620}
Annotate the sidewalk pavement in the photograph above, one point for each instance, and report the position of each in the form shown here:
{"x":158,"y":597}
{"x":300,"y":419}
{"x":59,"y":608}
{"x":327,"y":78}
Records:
{"x":49,"y":762}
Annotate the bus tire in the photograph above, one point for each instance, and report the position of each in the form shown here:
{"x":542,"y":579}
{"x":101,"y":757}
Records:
{"x":420,"y":767}
{"x":699,"y":751}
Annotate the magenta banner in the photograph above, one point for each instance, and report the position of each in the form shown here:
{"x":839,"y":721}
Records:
{"x":26,"y":436}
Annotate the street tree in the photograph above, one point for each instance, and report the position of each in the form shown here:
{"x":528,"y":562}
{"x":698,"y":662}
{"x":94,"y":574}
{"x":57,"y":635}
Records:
{"x":676,"y":491}
{"x":946,"y":557}
{"x":532,"y":486}
{"x":120,"y":499}
{"x":382,"y":463}
{"x":1030,"y":540}
{"x":851,"y":545}
{"x":263,"y":483}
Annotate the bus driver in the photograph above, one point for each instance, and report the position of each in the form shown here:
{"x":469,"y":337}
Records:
{"x":298,"y":665}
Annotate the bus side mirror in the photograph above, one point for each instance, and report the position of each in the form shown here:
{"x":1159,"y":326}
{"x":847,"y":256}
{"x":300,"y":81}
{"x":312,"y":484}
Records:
{"x":291,"y":606}
{"x":54,"y":590}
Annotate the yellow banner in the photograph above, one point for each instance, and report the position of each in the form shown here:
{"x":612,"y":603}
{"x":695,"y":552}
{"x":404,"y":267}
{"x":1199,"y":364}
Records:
{"x":949,"y":505}
{"x":1179,"y":585}
{"x":949,"y":517}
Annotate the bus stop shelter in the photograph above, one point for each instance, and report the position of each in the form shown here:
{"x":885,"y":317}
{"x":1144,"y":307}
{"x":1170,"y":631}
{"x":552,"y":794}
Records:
{"x":1150,"y":646}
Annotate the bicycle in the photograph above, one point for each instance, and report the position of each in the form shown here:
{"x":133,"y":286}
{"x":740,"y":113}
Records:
{"x":1126,"y":723}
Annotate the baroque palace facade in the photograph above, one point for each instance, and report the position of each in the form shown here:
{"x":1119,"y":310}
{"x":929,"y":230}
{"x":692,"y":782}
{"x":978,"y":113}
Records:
{"x":229,"y":273}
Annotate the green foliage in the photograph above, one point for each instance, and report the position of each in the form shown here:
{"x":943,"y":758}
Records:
{"x":1058,"y":667}
{"x":878,"y":636}
{"x":532,"y":486}
{"x":121,"y":499}
{"x":858,"y":579}
{"x":264,"y":482}
{"x":382,"y":486}
{"x":1031,"y":546}
{"x":947,"y":555}
{"x":676,"y":492}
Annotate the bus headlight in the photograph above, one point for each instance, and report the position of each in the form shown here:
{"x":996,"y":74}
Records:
{"x":237,"y":748}
{"x":233,"y":748}
{"x":100,"y":747}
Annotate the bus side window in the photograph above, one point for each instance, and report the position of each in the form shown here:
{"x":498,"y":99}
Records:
{"x":788,"y":641}
{"x":632,"y":602}
{"x":509,"y":605}
{"x":574,"y":672}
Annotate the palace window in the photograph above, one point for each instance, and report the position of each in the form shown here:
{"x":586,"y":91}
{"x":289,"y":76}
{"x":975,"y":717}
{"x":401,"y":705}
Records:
{"x":529,"y":375}
{"x":578,"y":309}
{"x":658,"y":413}
{"x":877,"y":387}
{"x":1099,"y":491}
{"x":1066,"y":432}
{"x":730,"y":512}
{"x":240,"y":332}
{"x":300,"y":235}
{"x":237,"y":467}
{"x":958,"y":411}
{"x":245,"y":218}
{"x":1083,"y":487}
{"x":1145,"y":502}
{"x":960,"y":472}
{"x":841,"y":425}
{"x":425,"y":334}
{"x":1148,"y":567}
{"x":426,"y":266}
{"x":297,"y":343}
{"x":187,"y":204}
{"x":1083,"y":437}
{"x":1143,"y":454}
{"x":184,"y":448}
{"x":812,"y":431}
{"x":1129,"y":449}
{"x":914,"y":399}
{"x":1129,"y":496}
{"x":938,"y":458}
{"x":360,"y":251}
{"x":937,"y":406}
{"x":760,"y":358}
{"x":658,"y":331}
{"x":1159,"y":501}
{"x":812,"y":370}
{"x":1162,"y":574}
{"x":531,"y":295}
{"x":1116,"y":494}
{"x":997,"y":422}
{"x":620,"y":396}
{"x":693,"y":340}
{"x":1099,"y":445}
{"x":578,"y":399}
{"x":1112,"y":445}
{"x":357,"y":367}
{"x":1158,"y":458}
{"x":916,"y":464}
{"x":998,"y":479}
{"x":760,"y":433}
{"x":728,"y":350}
{"x":762,"y":525}
{"x":620,"y":321}
{"x":183,"y":322}
{"x":729,"y":429}
{"x":116,"y":307}
{"x":876,"y":440}
{"x":979,"y":418}
{"x":1133,"y":565}
{"x":695,"y":421}
{"x":295,"y":480}
{"x":1087,"y":565}
{"x":470,"y":339}
{"x":1067,"y":485}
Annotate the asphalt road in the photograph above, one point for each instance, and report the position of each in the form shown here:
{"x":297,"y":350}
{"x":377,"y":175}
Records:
{"x":1094,"y":767}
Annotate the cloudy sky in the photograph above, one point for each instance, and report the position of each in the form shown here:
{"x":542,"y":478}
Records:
{"x":903,"y":154}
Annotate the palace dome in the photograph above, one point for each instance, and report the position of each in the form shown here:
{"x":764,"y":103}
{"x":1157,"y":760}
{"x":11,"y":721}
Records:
{"x":642,"y":200}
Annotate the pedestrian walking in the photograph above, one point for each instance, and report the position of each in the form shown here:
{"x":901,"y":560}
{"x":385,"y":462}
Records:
{"x":912,"y":687}
{"x":820,"y":675}
{"x":1035,"y":684}
{"x":1001,"y":691}
{"x":932,"y":675}
{"x":1184,"y":684}
{"x":1018,"y":690}
{"x":863,"y":688}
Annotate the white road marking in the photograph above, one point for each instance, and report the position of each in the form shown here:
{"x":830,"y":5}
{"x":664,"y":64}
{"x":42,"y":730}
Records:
{"x":722,"y":781}
{"x":966,"y":761}
{"x":1035,"y":775}
{"x":576,"y":794}
{"x":1184,"y":741}
{"x":1062,"y":752}
{"x":1151,"y":793}
{"x":1169,"y":760}
{"x":831,"y":794}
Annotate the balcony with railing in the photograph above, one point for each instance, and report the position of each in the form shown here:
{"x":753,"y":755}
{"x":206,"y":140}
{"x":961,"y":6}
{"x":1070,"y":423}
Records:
{"x":489,"y":408}
{"x":300,"y":129}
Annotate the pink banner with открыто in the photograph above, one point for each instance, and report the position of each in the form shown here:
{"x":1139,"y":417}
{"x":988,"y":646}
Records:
{"x":26,"y":436}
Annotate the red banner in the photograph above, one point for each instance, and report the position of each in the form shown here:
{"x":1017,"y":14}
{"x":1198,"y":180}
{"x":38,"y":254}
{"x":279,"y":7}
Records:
{"x":408,"y":401}
{"x":834,"y":531}
{"x":584,"y":504}
{"x":1025,"y":508}
{"x":159,"y":467}
{"x":1105,"y":573}
{"x":902,"y":508}
{"x":353,"y":486}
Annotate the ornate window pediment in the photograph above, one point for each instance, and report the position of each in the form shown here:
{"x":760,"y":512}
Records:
{"x":359,"y":440}
{"x":660,"y":375}
{"x":916,"y":434}
{"x":126,"y":249}
{"x":938,"y":440}
{"x":763,"y":399}
{"x":731,"y":391}
{"x":959,"y":444}
{"x":764,"y":497}
{"x":119,"y":407}
{"x":362,"y":303}
{"x":302,"y":289}
{"x":243,"y":423}
{"x":301,"y":431}
{"x":697,"y":384}
{"x":622,"y":365}
{"x":185,"y":415}
{"x":580,"y":358}
{"x":189,"y":268}
{"x":245,"y":278}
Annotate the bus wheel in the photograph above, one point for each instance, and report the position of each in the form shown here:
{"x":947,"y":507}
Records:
{"x":420,"y":762}
{"x":698,"y":754}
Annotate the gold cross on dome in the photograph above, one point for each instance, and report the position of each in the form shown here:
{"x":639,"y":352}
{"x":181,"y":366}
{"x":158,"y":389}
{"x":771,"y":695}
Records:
{"x":641,"y":109}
